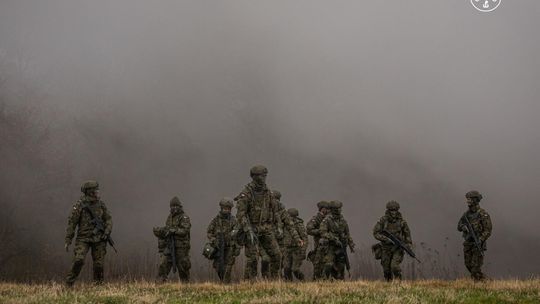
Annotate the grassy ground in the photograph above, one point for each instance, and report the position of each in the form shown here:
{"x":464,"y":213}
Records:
{"x":461,"y":291}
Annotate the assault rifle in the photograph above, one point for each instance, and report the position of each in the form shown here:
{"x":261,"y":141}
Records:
{"x":400,"y":244}
{"x":99,"y":227}
{"x":472,"y":234}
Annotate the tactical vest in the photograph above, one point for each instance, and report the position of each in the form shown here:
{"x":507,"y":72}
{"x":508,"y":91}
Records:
{"x":395,"y":228}
{"x":261,"y":208}
{"x":476,"y":221}
{"x":175,"y":221}
{"x":225,"y":226}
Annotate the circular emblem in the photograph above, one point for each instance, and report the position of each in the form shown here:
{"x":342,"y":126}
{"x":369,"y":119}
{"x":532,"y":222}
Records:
{"x":486,"y":6}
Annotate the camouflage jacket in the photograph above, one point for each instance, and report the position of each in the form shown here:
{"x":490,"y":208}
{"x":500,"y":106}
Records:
{"x":221,"y":225}
{"x":180,"y":226}
{"x":261,"y":210}
{"x":301,"y":230}
{"x":335,"y":230}
{"x":313,"y":226}
{"x":80,"y":220}
{"x":399,"y":228}
{"x":481,"y":223}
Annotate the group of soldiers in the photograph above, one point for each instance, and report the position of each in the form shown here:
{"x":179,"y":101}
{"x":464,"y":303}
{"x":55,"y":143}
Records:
{"x":269,"y":234}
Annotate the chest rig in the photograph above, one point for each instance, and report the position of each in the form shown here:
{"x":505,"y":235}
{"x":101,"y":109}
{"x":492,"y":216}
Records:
{"x":261,"y":207}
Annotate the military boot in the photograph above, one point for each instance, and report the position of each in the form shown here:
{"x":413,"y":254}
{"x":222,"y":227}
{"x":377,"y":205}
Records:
{"x":98,"y":275}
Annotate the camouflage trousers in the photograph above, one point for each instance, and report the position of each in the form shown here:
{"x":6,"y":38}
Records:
{"x":98,"y":251}
{"x":474,"y":259}
{"x":333,"y":264}
{"x":183,"y":264}
{"x":317,"y":259}
{"x":269,"y":248}
{"x":391,"y":260}
{"x":230,"y":254}
{"x":293,"y":258}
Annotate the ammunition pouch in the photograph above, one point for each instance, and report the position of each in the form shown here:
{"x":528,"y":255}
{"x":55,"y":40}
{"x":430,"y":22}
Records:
{"x":377,"y":251}
{"x":209,"y":251}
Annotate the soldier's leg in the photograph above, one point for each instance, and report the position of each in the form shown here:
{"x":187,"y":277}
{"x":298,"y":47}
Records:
{"x":318,"y":264}
{"x":386,"y":261}
{"x":468,"y":258}
{"x":395,"y":264}
{"x":250,"y":270}
{"x":98,"y":259}
{"x":329,"y":261}
{"x":297,"y":258}
{"x":265,"y":263}
{"x":287,"y":265}
{"x":183,"y":263}
{"x":229,"y":263}
{"x":79,"y":253}
{"x":164,"y":267}
{"x":477,"y":260}
{"x":271,"y":247}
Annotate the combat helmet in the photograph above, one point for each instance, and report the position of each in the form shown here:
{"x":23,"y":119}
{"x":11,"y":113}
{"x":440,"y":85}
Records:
{"x":226,"y":203}
{"x":257,"y":170}
{"x":175,"y":201}
{"x":474,"y":194}
{"x":293,"y":212}
{"x":392,"y":205}
{"x":322,"y":204}
{"x":89,"y":185}
{"x":336,"y":204}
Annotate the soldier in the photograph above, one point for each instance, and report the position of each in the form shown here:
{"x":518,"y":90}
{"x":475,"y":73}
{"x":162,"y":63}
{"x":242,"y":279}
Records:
{"x":335,"y":238}
{"x":312,"y":228}
{"x":93,"y":223}
{"x":265,"y":261}
{"x":256,"y":215}
{"x":219,"y":236}
{"x":294,"y":254}
{"x":176,"y":254}
{"x":476,"y":227}
{"x":391,"y":255}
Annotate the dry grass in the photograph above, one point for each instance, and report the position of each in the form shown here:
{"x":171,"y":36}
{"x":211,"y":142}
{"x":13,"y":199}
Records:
{"x":460,"y":291}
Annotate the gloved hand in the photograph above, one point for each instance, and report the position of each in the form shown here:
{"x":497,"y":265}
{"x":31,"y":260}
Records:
{"x":104,"y":237}
{"x":351,"y":246}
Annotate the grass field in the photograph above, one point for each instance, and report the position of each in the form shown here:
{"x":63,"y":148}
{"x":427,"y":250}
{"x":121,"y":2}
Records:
{"x":461,"y":291}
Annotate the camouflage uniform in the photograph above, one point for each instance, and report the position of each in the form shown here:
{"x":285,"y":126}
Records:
{"x":265,"y":259}
{"x":177,"y":226}
{"x":221,"y":227}
{"x":88,"y":238}
{"x":256,"y":215}
{"x":294,"y":253}
{"x":391,"y":255}
{"x":481,"y":224}
{"x":316,"y":255}
{"x":335,"y":238}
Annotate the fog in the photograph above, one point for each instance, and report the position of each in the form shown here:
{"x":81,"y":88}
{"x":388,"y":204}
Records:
{"x":358,"y":101}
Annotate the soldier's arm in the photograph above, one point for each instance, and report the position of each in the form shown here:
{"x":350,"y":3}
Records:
{"x":312,"y":227}
{"x":73,"y":221}
{"x":241,"y":211}
{"x":107,"y":219}
{"x":406,"y":233}
{"x":461,"y":224}
{"x":487,"y":227}
{"x":377,"y":230}
{"x":211,"y":231}
{"x":303,"y":233}
{"x":184,"y":226}
{"x":350,"y":241}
